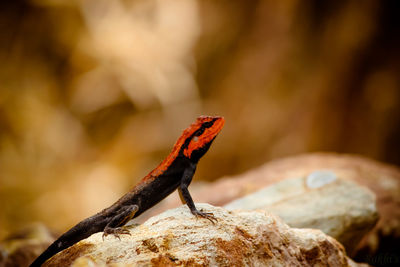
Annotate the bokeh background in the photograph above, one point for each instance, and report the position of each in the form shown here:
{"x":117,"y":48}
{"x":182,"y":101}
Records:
{"x":94,"y":93}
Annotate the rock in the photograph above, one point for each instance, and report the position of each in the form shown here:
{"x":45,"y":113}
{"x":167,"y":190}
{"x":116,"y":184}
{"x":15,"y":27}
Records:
{"x":240,"y":238}
{"x":22,"y":247}
{"x":339,"y":208}
{"x":382,"y":179}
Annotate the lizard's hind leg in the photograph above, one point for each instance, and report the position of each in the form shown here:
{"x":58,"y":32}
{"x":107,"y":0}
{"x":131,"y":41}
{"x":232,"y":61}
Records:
{"x":124,"y":214}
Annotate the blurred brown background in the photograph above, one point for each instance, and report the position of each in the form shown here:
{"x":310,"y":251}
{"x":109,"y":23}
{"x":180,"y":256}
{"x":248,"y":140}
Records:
{"x":93,"y":94}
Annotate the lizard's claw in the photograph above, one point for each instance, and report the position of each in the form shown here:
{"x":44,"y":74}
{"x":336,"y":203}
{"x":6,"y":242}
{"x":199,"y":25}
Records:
{"x":115,"y":232}
{"x":207,"y":215}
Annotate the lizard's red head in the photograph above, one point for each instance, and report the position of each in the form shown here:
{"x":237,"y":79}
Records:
{"x":199,"y":136}
{"x":193,"y":143}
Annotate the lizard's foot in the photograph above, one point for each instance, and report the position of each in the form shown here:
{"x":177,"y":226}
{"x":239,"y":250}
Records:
{"x":115,"y":232}
{"x":207,"y":215}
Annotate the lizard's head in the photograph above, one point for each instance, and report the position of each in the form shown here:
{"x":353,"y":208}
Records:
{"x":193,"y":143}
{"x":199,"y":136}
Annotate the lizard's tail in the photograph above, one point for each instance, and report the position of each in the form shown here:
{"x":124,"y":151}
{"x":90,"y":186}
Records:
{"x":69,"y":238}
{"x":47,"y":254}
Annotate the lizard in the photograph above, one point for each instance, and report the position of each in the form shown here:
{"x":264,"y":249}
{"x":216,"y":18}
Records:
{"x":174,"y":172}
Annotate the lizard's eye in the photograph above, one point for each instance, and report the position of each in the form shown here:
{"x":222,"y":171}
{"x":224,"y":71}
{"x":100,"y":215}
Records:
{"x":199,"y":132}
{"x":195,"y":139}
{"x":207,"y":124}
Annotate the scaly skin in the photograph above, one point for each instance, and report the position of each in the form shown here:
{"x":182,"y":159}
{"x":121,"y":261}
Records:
{"x":176,"y":171}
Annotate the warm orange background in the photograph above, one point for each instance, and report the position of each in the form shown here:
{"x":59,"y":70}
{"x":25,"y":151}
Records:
{"x":93,"y":94}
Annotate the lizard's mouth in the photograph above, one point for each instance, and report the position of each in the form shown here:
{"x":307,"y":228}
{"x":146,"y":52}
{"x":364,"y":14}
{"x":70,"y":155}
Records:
{"x":218,"y":124}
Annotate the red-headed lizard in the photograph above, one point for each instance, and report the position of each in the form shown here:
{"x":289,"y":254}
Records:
{"x":176,"y":171}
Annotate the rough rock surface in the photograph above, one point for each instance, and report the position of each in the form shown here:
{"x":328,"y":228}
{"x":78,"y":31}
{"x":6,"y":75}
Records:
{"x":339,"y":208}
{"x":177,"y":238}
{"x":382,"y":179}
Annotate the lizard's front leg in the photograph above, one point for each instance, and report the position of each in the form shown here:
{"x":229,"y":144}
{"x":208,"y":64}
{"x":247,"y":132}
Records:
{"x":187,"y":198}
{"x":124,"y":214}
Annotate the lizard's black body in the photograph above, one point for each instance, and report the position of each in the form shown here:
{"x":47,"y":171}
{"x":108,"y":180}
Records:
{"x":176,"y":171}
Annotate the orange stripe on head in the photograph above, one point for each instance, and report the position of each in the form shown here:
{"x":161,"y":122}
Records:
{"x":205,"y":134}
{"x":192,"y":138}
